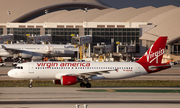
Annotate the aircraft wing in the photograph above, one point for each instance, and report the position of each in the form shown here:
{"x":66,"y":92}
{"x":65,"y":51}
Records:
{"x":86,"y":74}
{"x":12,"y":50}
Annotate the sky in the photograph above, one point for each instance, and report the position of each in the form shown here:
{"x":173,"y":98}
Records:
{"x":140,"y":3}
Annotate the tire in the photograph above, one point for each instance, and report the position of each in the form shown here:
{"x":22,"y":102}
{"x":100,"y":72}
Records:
{"x":88,"y":85}
{"x":82,"y":84}
{"x":30,"y":85}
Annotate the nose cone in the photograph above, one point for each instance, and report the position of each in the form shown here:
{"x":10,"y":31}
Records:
{"x":12,"y":73}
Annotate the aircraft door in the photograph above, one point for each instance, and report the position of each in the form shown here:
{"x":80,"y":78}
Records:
{"x":31,"y":68}
{"x":137,"y":70}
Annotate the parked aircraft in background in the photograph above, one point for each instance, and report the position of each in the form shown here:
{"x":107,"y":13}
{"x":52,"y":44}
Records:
{"x":37,"y":52}
{"x":69,"y":73}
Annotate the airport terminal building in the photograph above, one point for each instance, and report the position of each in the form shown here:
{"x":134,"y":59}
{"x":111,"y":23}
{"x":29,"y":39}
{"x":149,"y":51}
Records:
{"x":62,"y":18}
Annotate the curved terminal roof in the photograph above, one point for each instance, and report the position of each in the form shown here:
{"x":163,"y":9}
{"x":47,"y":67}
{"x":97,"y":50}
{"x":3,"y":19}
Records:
{"x":112,"y":15}
{"x":167,"y":23}
{"x":147,"y":15}
{"x":21,"y":10}
{"x":166,"y":19}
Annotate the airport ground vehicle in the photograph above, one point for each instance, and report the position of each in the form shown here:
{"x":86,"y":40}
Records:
{"x":2,"y":64}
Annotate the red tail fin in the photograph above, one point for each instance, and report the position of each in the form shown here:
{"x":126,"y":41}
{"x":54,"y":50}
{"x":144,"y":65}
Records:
{"x":155,"y":53}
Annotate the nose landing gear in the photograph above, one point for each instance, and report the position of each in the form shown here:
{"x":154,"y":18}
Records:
{"x":30,"y":84}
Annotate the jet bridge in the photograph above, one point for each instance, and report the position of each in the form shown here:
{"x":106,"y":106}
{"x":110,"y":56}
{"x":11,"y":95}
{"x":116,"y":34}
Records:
{"x":126,"y":50}
{"x":39,"y":39}
{"x":81,"y":41}
{"x":102,"y":52}
{"x":6,"y":38}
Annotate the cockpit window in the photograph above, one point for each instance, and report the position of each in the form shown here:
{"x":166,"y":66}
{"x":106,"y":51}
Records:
{"x":18,"y":67}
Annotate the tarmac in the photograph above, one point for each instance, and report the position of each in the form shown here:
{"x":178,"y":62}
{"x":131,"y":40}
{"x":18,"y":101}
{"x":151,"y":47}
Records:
{"x":69,"y":97}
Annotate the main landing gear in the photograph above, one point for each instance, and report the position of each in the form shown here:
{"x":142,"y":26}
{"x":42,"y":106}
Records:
{"x":87,"y":85}
{"x":30,"y":83}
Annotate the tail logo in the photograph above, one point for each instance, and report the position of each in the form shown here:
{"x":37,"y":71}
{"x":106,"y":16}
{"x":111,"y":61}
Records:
{"x":151,"y":56}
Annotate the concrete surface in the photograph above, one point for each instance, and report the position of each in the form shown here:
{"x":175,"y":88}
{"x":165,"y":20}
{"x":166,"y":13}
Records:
{"x":68,"y":97}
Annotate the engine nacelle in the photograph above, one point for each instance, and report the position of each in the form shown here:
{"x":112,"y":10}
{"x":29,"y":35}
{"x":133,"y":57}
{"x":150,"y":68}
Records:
{"x":56,"y":81}
{"x":25,"y":54}
{"x":37,"y":56}
{"x":69,"y":80}
{"x":33,"y":56}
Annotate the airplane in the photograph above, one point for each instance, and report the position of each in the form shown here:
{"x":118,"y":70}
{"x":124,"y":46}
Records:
{"x":38,"y":51}
{"x":69,"y":73}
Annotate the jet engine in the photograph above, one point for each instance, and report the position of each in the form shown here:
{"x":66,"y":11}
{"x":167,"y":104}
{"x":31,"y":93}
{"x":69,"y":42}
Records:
{"x":37,"y":56}
{"x":33,"y":56}
{"x":67,"y":80}
{"x":25,"y":54}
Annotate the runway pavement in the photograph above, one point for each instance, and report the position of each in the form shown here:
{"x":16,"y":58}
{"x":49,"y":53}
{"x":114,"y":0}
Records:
{"x":68,"y":97}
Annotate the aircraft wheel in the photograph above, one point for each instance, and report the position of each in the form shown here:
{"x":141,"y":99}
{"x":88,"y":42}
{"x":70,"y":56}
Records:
{"x":30,"y":85}
{"x":82,"y":84}
{"x":88,"y":85}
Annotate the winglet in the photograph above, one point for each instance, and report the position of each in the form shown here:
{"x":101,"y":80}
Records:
{"x":3,"y":47}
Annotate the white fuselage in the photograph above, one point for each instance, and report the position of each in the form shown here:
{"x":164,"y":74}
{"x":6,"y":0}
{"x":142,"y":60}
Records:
{"x":54,"y":70}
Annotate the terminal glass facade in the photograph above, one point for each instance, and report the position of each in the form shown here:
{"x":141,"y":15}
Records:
{"x":122,"y":35}
{"x":1,"y":31}
{"x":63,"y":35}
{"x":175,"y":48}
{"x":20,"y":33}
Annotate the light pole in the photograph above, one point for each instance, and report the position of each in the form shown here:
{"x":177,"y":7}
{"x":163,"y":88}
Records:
{"x":8,"y":12}
{"x":86,"y":10}
{"x":46,"y":12}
